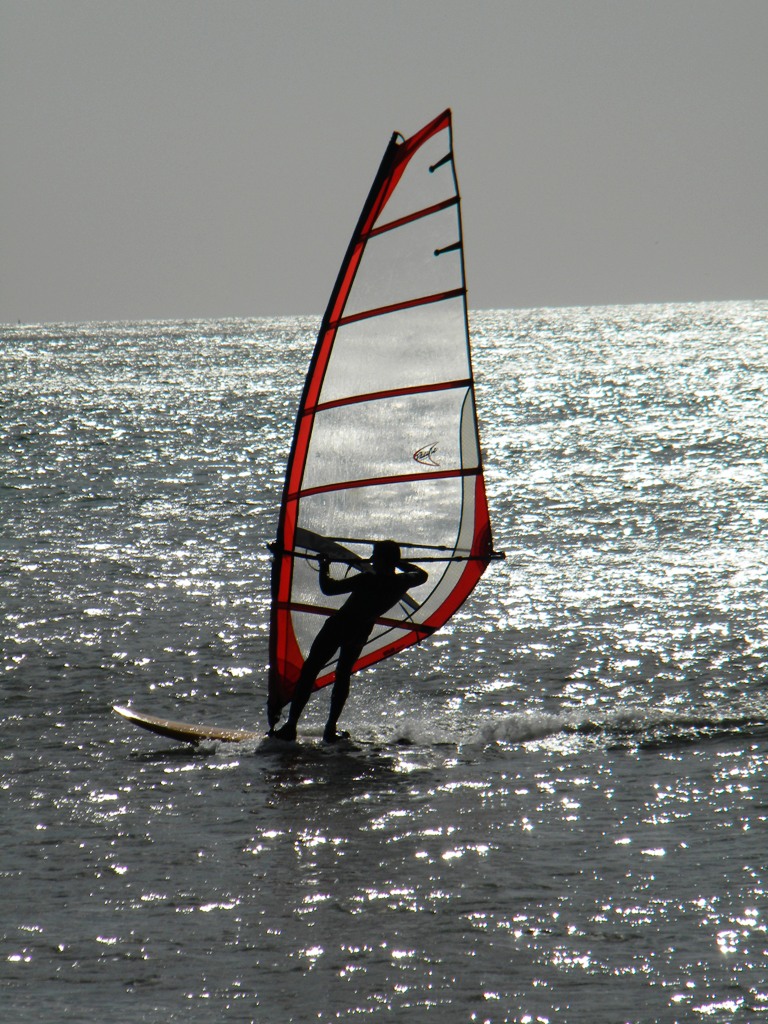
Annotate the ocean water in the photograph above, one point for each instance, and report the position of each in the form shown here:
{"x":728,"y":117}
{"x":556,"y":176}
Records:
{"x":556,"y":809}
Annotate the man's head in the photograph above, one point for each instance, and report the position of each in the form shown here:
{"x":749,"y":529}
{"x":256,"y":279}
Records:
{"x":386,"y":555}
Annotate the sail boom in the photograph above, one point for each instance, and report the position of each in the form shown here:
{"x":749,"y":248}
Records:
{"x":400,"y":543}
{"x":495,"y":556}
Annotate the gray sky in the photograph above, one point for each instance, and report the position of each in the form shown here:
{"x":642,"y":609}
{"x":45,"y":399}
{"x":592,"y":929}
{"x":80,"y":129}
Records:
{"x":203,"y":158}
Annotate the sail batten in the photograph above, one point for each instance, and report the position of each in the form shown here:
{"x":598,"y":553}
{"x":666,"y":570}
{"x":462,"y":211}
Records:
{"x":385,"y":481}
{"x":393,"y":393}
{"x":383,"y":620}
{"x":386,"y":434}
{"x":395,"y":307}
{"x":417,"y":215}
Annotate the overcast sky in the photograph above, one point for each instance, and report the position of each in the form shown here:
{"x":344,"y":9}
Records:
{"x":205,"y":158}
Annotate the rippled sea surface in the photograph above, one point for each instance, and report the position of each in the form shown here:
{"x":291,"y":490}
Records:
{"x":557,"y":807}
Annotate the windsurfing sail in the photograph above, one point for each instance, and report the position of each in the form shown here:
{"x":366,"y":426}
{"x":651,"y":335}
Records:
{"x":386,"y":442}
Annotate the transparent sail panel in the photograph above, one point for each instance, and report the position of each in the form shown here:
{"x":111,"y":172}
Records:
{"x":402,"y":264}
{"x":387,"y":438}
{"x":412,"y":347}
{"x":424,"y":511}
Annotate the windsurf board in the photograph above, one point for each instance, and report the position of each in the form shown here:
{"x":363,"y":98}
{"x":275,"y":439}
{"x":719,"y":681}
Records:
{"x":184,"y":731}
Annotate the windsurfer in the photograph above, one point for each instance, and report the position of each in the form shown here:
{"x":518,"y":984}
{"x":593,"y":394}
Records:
{"x":386,"y":580}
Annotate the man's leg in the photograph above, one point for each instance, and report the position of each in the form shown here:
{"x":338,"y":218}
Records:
{"x":348,"y":655}
{"x":323,"y":646}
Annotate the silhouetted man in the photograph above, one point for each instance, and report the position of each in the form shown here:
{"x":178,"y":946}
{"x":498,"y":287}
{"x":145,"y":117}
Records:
{"x":372,"y":592}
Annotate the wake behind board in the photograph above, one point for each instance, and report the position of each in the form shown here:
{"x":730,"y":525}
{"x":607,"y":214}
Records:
{"x":183,"y":730}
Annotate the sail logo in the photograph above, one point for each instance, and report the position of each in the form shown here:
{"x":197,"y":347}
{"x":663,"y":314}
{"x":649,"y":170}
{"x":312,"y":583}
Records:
{"x":426,"y":456}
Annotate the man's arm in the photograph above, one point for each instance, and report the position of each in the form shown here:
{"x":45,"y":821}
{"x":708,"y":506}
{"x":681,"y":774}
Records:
{"x":414,"y":574}
{"x":330,"y":586}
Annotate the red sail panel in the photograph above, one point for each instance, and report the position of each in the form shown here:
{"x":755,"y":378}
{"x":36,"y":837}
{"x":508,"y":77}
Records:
{"x":386,"y":442}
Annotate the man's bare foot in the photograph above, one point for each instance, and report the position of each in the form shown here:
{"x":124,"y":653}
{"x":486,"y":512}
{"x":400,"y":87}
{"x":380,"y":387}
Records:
{"x":285,"y":732}
{"x":332,"y":736}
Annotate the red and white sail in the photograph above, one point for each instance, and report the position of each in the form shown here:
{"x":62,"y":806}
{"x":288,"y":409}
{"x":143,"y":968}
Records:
{"x":386,"y":442}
